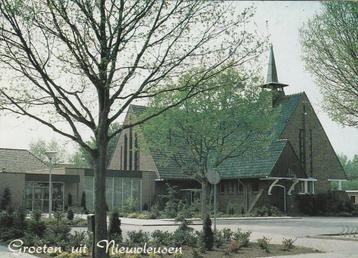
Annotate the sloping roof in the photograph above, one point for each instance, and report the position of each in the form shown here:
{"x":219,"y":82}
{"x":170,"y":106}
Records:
{"x":19,"y":161}
{"x":287,"y":106}
{"x":255,"y":166}
{"x":243,"y":166}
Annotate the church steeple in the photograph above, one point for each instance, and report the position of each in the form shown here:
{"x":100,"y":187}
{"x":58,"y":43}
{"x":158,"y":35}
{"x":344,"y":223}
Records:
{"x":272,"y":79}
{"x":271,"y":71}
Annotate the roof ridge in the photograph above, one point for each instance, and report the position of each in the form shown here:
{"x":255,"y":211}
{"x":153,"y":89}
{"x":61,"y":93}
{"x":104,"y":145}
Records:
{"x":18,"y":149}
{"x":296,"y":94}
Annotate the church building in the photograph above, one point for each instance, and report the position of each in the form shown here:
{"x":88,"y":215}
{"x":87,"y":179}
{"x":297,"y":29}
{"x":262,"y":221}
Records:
{"x":301,"y":160}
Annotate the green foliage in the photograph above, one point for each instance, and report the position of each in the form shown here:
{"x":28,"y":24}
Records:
{"x":69,"y":200}
{"x":12,"y":225}
{"x":70,"y":214}
{"x":288,"y":244}
{"x":162,"y":238}
{"x":184,"y":235}
{"x":227,"y":234}
{"x":137,"y":238}
{"x":243,"y":237}
{"x":130,"y":205}
{"x":171,"y":204}
{"x":5,"y":199}
{"x":350,"y":166}
{"x":218,"y":238}
{"x":266,"y":211}
{"x":40,"y":147}
{"x":207,"y":234}
{"x":323,"y":204}
{"x":83,"y":159}
{"x":330,"y":53}
{"x":115,"y":231}
{"x":264,"y":243}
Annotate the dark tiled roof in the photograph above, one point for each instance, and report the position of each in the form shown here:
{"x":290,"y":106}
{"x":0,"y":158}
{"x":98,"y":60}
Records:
{"x":287,"y":106}
{"x":255,"y":166}
{"x":138,"y":109}
{"x":243,"y":166}
{"x":19,"y":161}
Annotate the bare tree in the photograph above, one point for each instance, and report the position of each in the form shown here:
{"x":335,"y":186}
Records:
{"x":330,"y":51}
{"x":77,"y":65}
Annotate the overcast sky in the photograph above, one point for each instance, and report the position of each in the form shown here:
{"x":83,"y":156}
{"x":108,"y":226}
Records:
{"x":284,"y":20}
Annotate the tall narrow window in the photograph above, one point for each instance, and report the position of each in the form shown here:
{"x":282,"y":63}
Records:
{"x":311,"y":153}
{"x":130,"y":148}
{"x":125,"y":154}
{"x":302,"y":153}
{"x":136,"y":153}
{"x":121,"y":159}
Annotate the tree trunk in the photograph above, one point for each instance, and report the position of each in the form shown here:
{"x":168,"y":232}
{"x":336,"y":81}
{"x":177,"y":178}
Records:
{"x":204,"y":199}
{"x":99,"y":166}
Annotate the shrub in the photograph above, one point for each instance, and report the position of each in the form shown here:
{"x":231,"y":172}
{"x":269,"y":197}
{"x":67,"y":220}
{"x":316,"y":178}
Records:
{"x":36,"y":215}
{"x":115,"y":231}
{"x":154,"y":212}
{"x":78,"y":239}
{"x":5,"y":199}
{"x":196,"y":254}
{"x":162,"y":238}
{"x":130,"y":205}
{"x":234,"y":246}
{"x":227,"y":234}
{"x":70,"y":214}
{"x":230,"y":209}
{"x":218,"y":239}
{"x":264,"y":243}
{"x":170,"y":206}
{"x":184,"y":235}
{"x":287,"y":244}
{"x":35,"y":225}
{"x":243,"y":237}
{"x":137,"y":238}
{"x":266,"y":211}
{"x":207,"y":235}
{"x":69,"y":200}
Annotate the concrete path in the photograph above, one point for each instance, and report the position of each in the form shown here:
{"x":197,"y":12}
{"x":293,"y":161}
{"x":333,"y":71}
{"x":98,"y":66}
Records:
{"x":5,"y":253}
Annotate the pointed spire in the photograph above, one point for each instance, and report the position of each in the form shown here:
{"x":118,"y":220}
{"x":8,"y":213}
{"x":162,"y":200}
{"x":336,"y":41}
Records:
{"x":272,"y":79}
{"x":271,"y":72}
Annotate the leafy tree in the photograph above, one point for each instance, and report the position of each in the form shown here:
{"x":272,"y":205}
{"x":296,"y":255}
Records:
{"x":40,"y":147}
{"x":70,"y":214}
{"x":5,"y":199}
{"x":330,"y":50}
{"x":350,"y":166}
{"x":209,"y":129}
{"x":76,"y":65}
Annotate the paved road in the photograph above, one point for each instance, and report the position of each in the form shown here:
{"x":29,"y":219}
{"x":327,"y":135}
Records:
{"x":302,"y":227}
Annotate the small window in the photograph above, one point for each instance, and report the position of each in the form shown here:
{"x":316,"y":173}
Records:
{"x":222,"y":187}
{"x":310,"y":187}
{"x":353,"y":199}
{"x":302,"y":187}
{"x":255,"y":186}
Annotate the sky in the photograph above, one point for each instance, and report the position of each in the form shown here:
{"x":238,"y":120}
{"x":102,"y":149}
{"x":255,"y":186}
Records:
{"x":282,"y":20}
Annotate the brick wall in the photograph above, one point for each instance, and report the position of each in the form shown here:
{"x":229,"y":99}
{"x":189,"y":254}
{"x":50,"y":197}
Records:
{"x":325,"y":164}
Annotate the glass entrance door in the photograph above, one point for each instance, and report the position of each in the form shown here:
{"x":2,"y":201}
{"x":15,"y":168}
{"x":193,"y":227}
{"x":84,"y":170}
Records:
{"x":37,"y":196}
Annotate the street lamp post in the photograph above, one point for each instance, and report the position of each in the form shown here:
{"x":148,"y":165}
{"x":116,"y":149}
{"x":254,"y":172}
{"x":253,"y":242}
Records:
{"x":50,"y":155}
